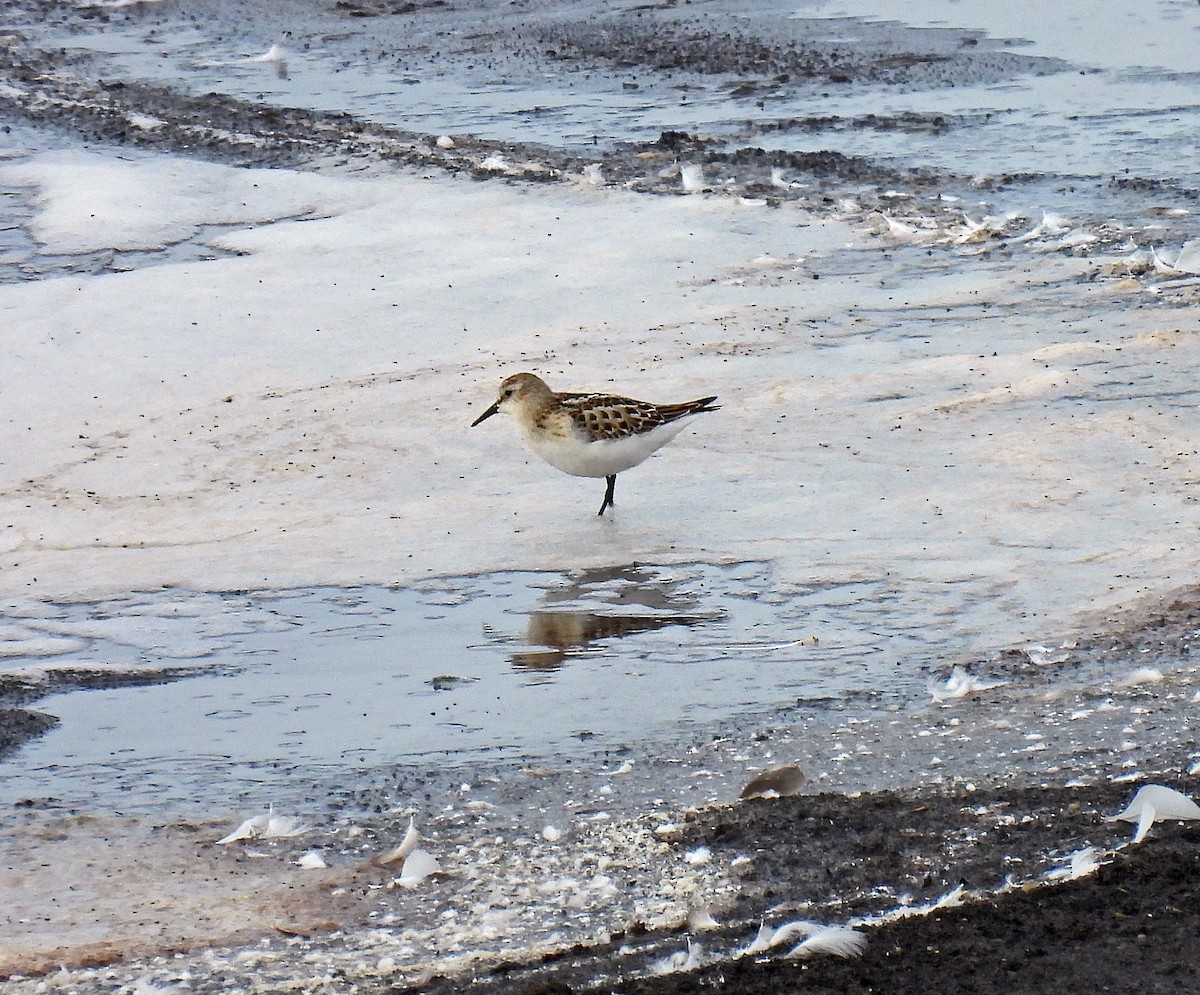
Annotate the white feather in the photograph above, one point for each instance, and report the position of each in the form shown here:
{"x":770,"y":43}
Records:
{"x":1188,"y":260}
{"x":815,"y":938}
{"x":950,"y":900}
{"x":1144,"y":823}
{"x":790,"y":932}
{"x":273,"y":54}
{"x":701,"y":920}
{"x":419,"y":865}
{"x":407,"y":845}
{"x":250,"y":829}
{"x":1156,"y":803}
{"x":1051,"y":224}
{"x":958,"y":685}
{"x":265,"y":827}
{"x":692,"y":177}
{"x":1083,"y":862}
{"x":838,"y":941}
{"x":283,"y":827}
{"x":760,"y":944}
{"x":275,"y":57}
{"x":681,"y":960}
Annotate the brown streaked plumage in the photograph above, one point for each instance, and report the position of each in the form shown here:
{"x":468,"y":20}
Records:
{"x":591,"y":435}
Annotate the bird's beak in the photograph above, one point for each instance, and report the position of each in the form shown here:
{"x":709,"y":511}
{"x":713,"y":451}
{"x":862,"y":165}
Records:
{"x":487,"y":414}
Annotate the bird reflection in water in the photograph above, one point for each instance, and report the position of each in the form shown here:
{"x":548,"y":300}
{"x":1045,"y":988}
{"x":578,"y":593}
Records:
{"x":641,"y":599}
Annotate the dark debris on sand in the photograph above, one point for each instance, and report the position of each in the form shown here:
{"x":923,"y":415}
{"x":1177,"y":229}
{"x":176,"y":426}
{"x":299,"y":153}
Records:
{"x":1129,"y":927}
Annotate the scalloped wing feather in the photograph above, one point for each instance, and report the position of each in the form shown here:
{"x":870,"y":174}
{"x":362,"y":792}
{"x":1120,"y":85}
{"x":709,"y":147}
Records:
{"x":608,"y":416}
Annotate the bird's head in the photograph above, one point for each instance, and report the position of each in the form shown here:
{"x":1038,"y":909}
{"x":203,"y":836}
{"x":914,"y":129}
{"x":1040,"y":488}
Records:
{"x":516,"y":391}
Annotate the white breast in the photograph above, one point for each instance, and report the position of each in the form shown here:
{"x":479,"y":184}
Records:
{"x":573,"y":455}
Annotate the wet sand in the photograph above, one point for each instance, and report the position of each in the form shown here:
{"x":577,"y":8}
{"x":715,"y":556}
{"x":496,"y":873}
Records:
{"x":829,"y":856}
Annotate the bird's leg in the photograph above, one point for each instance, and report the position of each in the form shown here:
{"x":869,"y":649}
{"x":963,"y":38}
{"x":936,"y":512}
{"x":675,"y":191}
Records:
{"x":608,"y":494}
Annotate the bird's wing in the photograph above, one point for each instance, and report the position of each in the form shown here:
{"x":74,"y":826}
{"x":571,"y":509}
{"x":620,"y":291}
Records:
{"x":607,"y":416}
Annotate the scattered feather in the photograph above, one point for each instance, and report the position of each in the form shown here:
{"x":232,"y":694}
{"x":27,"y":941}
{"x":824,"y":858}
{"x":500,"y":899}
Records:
{"x":815,"y":938}
{"x":681,"y":960}
{"x":779,"y":180}
{"x":1076,"y":239}
{"x":250,"y":829}
{"x":972,"y":231}
{"x":792,"y":931}
{"x":418,"y":865}
{"x":594,"y":174}
{"x":407,"y":845}
{"x":701,"y":855}
{"x":1083,"y":862}
{"x":1160,"y":264}
{"x":265,"y":827}
{"x":311,"y":861}
{"x":952,"y":899}
{"x":1188,"y":260}
{"x":837,"y":941}
{"x":701,"y":920}
{"x":1156,"y":803}
{"x":760,"y":944}
{"x":959,"y":684}
{"x":276,"y":58}
{"x":775,"y":783}
{"x":692,"y":177}
{"x":883,"y":223}
{"x":273,"y":54}
{"x":1051,"y":224}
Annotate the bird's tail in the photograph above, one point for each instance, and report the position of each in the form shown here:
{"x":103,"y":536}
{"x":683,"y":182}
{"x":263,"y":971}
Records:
{"x":671,"y":412}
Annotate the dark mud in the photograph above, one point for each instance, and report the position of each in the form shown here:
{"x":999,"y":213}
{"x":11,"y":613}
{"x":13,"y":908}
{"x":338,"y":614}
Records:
{"x":19,"y":725}
{"x":226,"y":129}
{"x":792,"y":50}
{"x":1130,"y":926}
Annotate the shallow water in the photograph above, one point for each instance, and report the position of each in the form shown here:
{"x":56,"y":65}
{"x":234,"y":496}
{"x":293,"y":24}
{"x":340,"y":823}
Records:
{"x":294,"y":685}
